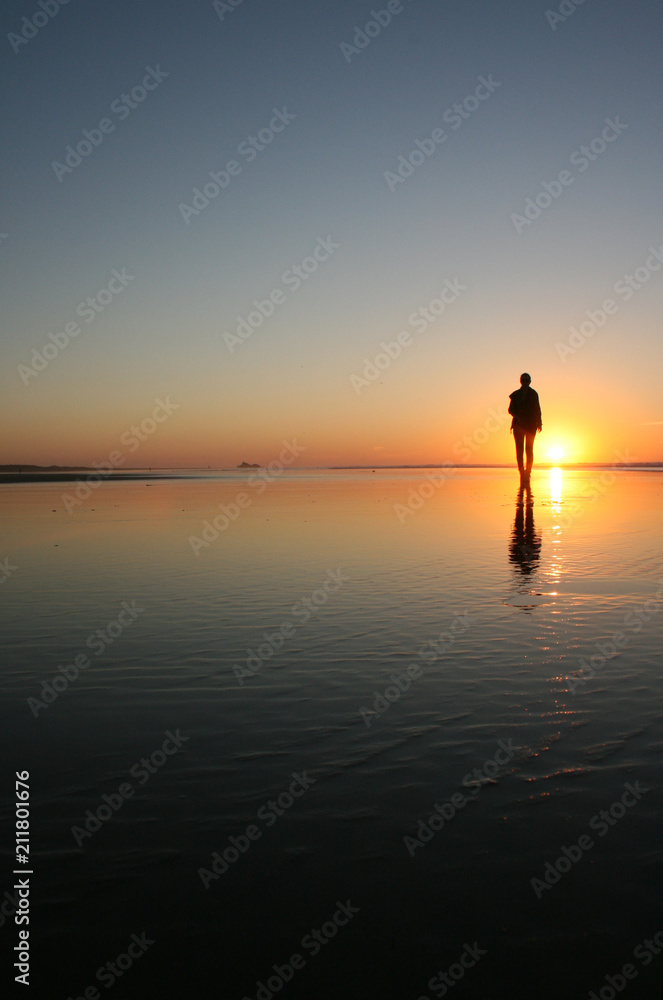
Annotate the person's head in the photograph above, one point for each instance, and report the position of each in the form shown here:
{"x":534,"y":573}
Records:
{"x":525,"y":379}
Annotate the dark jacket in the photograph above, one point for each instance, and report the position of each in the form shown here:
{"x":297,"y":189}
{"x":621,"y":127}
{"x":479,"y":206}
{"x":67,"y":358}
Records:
{"x":525,"y":409}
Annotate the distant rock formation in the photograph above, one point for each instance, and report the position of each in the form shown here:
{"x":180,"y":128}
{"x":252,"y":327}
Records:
{"x":248,"y":465}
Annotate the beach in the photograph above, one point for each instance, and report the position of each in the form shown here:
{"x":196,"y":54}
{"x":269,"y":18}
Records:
{"x":341,"y":732}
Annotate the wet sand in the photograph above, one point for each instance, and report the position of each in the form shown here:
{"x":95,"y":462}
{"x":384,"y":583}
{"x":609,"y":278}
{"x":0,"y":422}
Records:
{"x":407,"y":697}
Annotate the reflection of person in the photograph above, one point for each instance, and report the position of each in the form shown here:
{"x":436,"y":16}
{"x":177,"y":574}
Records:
{"x":526,"y":412}
{"x":525,"y":544}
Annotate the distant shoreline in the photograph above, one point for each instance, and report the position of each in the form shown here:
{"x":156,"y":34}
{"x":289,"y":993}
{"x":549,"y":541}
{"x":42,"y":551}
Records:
{"x":233,"y":468}
{"x":53,"y":474}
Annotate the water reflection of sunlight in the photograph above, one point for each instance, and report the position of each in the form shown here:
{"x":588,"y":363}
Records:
{"x":556,"y":488}
{"x":556,"y":507}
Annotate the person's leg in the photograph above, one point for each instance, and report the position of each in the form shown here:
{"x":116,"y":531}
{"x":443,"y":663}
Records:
{"x":519,"y":437}
{"x":529,"y":449}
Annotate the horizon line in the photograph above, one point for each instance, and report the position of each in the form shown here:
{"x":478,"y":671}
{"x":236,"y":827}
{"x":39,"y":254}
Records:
{"x":17,"y":468}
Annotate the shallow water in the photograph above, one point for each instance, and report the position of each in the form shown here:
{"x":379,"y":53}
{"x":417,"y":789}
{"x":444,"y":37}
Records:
{"x":530,"y":625}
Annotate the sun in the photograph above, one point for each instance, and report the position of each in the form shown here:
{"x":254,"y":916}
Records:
{"x":556,"y":453}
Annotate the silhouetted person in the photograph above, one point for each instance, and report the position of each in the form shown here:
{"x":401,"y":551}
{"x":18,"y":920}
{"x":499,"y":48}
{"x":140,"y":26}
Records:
{"x":525,"y":544}
{"x":526,"y":412}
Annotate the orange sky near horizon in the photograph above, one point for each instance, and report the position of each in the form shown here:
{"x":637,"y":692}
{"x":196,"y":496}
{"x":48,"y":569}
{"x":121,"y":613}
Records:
{"x":429,"y":406}
{"x":378,"y":429}
{"x":442,"y":399}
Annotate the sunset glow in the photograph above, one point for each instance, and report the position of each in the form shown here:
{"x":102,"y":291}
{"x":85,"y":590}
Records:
{"x":338,"y":286}
{"x":332,"y":457}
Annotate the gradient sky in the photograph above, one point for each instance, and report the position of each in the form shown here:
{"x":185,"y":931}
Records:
{"x":323,"y":177}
